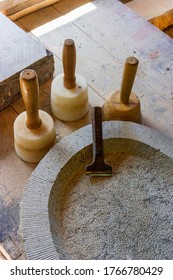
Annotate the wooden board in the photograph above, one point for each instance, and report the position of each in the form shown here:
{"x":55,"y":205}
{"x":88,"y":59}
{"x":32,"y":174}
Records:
{"x":3,"y":254}
{"x":8,"y":3}
{"x":14,"y":174}
{"x":13,"y":6}
{"x":19,"y":50}
{"x":150,"y":9}
{"x":31,"y":9}
{"x":11,"y":248}
{"x":9,"y":7}
{"x":164,"y":20}
{"x":38,"y":18}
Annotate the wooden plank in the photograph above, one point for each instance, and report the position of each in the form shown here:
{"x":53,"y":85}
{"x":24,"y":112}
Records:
{"x":19,"y":50}
{"x":8,"y":3}
{"x":21,"y":26}
{"x":13,"y":177}
{"x":125,"y":1}
{"x":32,"y":9}
{"x":10,"y":172}
{"x":158,"y":12}
{"x":11,"y":248}
{"x":3,"y":254}
{"x":67,"y":6}
{"x":164,"y":20}
{"x":9,"y":7}
{"x":39,"y":18}
{"x":150,"y":9}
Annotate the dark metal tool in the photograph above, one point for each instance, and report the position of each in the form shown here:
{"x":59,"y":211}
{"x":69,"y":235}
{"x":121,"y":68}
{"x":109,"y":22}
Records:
{"x":98,"y":166}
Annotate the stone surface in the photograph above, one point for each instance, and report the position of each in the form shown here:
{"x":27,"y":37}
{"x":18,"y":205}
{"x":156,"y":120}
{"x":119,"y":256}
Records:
{"x":121,"y":217}
{"x":20,"y":50}
{"x":128,"y":216}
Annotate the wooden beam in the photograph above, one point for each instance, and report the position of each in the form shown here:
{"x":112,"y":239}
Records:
{"x":18,"y":5}
{"x":3,"y":254}
{"x":150,"y":9}
{"x":164,"y":20}
{"x":27,"y":10}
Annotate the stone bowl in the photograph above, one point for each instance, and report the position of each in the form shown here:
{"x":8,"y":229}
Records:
{"x":68,"y":215}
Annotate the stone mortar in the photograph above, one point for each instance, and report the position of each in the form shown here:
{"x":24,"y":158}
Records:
{"x":68,"y":215}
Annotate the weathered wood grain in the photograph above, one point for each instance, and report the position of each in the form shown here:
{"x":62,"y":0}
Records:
{"x":32,"y":9}
{"x":67,"y":6}
{"x":9,"y":7}
{"x":14,"y":174}
{"x":4,"y":254}
{"x":8,"y":3}
{"x":19,"y":50}
{"x":11,"y":248}
{"x":39,"y":18}
{"x":164,"y":20}
{"x":150,"y":9}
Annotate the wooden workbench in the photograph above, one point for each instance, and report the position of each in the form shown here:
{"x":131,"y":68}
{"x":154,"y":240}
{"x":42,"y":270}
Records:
{"x":106,"y":33}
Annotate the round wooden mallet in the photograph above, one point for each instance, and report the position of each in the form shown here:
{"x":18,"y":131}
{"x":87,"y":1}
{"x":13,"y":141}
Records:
{"x":69,"y":93}
{"x":34,"y":132}
{"x":124,"y":104}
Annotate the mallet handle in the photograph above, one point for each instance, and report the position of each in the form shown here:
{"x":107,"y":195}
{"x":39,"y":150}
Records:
{"x":69,"y":63}
{"x":129,"y":74}
{"x":30,"y":94}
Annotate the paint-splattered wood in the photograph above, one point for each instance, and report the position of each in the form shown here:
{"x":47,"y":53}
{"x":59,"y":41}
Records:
{"x":19,"y":50}
{"x":11,"y":248}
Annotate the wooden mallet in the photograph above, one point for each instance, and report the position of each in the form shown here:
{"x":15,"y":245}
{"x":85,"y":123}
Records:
{"x":69,"y":93}
{"x":124,"y":104}
{"x":34,"y":132}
